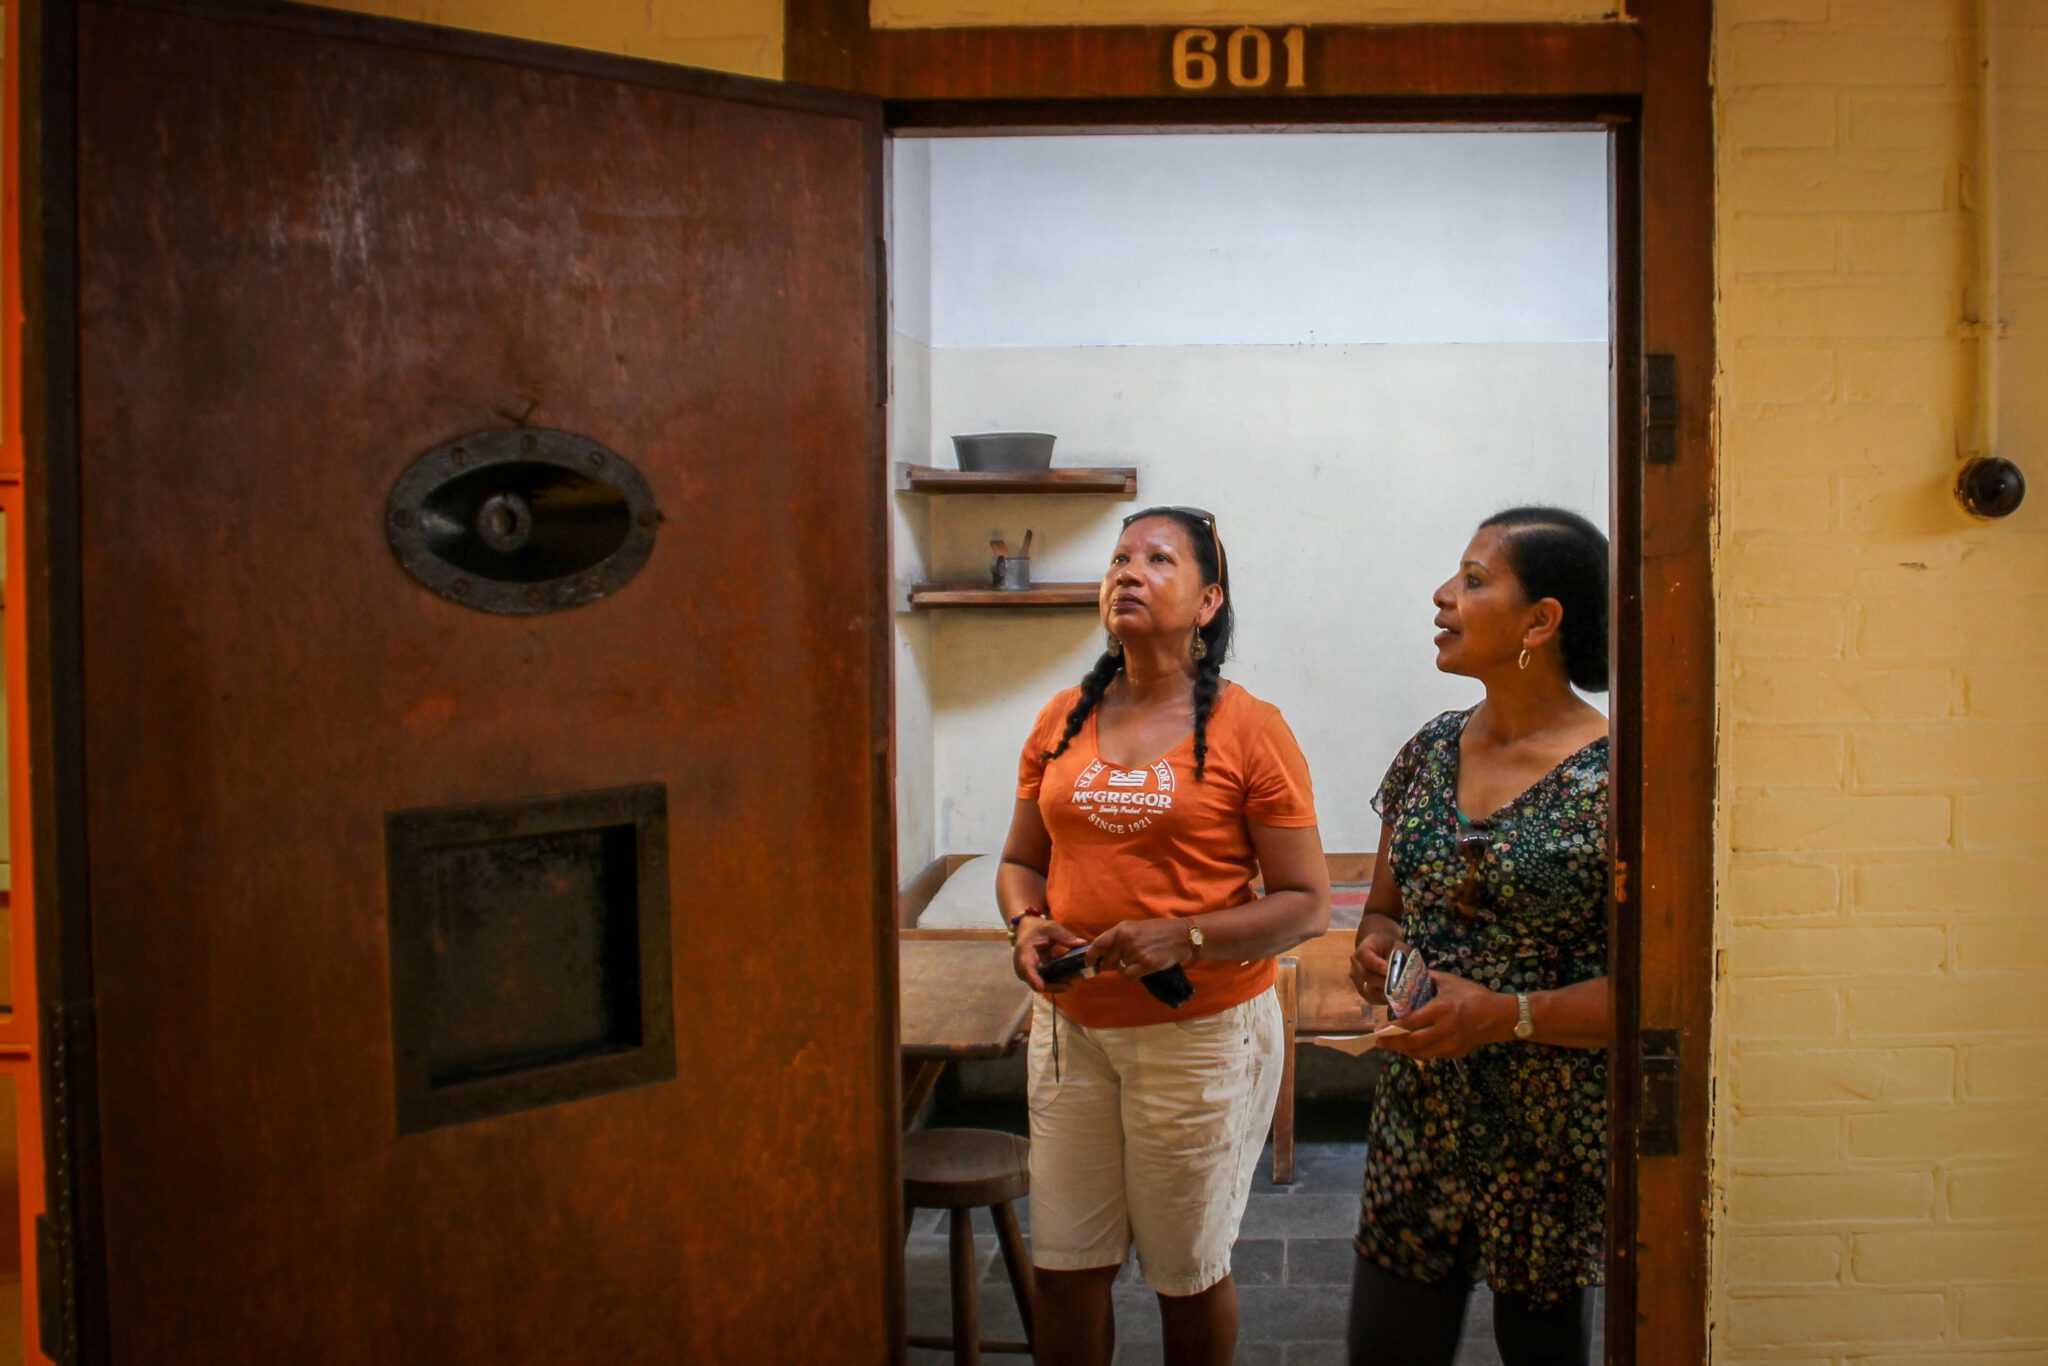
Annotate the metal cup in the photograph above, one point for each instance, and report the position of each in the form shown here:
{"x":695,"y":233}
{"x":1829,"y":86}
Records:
{"x":1010,"y":572}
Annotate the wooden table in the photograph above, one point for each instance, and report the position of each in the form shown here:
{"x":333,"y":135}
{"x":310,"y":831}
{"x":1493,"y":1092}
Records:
{"x":959,"y":1000}
{"x":1316,"y":1000}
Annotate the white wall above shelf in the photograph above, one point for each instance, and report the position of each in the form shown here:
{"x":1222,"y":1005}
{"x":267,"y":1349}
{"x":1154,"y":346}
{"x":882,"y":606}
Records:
{"x":1120,"y":481}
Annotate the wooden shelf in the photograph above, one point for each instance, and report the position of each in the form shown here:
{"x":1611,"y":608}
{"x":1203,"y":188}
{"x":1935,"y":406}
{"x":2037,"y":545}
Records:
{"x":980,"y":595}
{"x":931,"y":479}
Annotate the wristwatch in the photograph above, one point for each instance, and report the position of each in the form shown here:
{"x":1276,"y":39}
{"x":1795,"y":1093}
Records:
{"x":1525,"y":1027}
{"x":1195,"y":940}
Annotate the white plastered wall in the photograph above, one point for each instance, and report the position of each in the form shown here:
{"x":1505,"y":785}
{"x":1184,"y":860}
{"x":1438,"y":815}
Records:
{"x":910,"y":330}
{"x":1351,"y":347}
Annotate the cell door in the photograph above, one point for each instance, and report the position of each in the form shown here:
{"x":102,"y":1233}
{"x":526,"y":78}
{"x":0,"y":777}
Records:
{"x":480,"y":727}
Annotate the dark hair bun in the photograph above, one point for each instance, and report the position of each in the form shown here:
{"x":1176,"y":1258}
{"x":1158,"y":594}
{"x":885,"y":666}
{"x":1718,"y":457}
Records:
{"x":1561,"y":555}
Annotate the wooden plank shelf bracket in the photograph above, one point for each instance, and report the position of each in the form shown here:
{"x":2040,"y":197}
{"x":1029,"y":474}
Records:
{"x":980,"y":595}
{"x":1121,"y":481}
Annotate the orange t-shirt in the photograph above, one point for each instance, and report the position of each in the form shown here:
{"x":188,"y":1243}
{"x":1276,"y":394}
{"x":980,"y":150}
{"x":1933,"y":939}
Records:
{"x":1131,"y":844}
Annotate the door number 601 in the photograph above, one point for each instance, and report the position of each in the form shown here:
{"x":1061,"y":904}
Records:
{"x":1247,"y":58}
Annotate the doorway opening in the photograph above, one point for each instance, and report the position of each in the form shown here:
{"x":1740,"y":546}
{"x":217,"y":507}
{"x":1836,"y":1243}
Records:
{"x":1352,"y":344}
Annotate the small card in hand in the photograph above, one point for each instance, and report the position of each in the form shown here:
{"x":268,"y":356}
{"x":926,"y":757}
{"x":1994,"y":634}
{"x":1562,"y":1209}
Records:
{"x":1409,"y":985}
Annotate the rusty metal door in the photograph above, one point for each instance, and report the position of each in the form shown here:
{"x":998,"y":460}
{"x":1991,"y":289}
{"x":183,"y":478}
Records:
{"x":488,"y":963}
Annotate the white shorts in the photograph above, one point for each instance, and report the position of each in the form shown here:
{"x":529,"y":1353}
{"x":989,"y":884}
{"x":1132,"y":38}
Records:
{"x":1150,"y":1133}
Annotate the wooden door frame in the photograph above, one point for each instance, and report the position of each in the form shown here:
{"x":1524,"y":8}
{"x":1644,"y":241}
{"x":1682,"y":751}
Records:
{"x":71,"y":1252}
{"x":1647,"y":82}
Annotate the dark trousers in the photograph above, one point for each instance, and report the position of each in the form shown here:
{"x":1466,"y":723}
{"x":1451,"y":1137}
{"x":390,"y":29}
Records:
{"x":1396,"y":1321}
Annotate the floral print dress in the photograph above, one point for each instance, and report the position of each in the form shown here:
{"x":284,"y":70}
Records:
{"x":1494,"y":1166}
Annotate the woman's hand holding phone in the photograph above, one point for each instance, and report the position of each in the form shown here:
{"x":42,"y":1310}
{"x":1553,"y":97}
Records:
{"x":1138,"y":948}
{"x":1038,"y":939}
{"x":1460,"y":1017}
{"x":1369,"y":964}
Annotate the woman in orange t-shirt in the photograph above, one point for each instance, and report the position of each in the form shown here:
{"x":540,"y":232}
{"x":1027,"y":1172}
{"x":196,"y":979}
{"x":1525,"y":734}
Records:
{"x":1149,"y":800}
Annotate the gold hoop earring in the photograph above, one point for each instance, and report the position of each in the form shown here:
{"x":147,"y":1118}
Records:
{"x":1200,"y":649}
{"x":1116,"y":648}
{"x":1522,"y":659}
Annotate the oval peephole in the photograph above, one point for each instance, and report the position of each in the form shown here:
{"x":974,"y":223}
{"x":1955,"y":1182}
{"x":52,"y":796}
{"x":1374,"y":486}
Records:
{"x":520,"y":520}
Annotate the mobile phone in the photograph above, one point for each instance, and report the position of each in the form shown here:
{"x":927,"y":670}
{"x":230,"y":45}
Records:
{"x":1066,"y":967}
{"x":1409,"y":985}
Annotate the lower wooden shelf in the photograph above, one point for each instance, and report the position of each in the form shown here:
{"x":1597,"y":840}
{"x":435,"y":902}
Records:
{"x":980,"y":595}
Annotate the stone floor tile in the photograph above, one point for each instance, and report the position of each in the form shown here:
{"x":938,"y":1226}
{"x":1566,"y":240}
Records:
{"x":1137,"y":1316}
{"x":1475,"y":1345}
{"x":1259,"y":1261}
{"x":1316,"y":1354}
{"x":1248,"y":1354}
{"x":995,"y":1282}
{"x":927,"y":1259}
{"x":1292,"y":1313}
{"x":1300,"y":1216}
{"x":995,"y":1270}
{"x":1320,"y":1261}
{"x":1319,"y":1169}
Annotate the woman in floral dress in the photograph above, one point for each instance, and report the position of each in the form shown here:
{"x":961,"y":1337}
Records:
{"x":1488,"y":1153}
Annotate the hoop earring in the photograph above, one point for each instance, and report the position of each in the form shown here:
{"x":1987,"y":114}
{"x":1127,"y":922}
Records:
{"x":1116,"y":648}
{"x":1201,"y":647}
{"x":1522,"y":659}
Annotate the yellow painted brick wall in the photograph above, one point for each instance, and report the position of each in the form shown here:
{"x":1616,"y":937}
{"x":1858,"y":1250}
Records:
{"x":1882,"y":1073}
{"x":743,"y":36}
{"x":952,"y":13}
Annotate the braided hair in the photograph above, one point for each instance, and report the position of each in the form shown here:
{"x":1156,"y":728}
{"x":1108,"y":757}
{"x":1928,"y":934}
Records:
{"x":1202,"y":536}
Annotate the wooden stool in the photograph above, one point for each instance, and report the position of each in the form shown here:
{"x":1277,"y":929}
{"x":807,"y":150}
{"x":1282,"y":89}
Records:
{"x":956,"y":1170}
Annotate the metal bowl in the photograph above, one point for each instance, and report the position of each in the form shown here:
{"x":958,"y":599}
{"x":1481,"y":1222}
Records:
{"x":1004,"y":451}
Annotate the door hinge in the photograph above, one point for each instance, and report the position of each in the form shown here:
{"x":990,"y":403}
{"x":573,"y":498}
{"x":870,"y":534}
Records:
{"x":1657,"y":1115}
{"x":56,"y":1258}
{"x":58,"y":1341}
{"x":1620,"y":882}
{"x":1660,"y":409}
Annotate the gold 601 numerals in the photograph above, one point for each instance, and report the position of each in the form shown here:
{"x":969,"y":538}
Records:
{"x":1246,"y":59}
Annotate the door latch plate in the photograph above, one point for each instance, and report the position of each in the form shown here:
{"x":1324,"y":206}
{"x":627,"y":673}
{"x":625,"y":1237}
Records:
{"x":521,"y":520}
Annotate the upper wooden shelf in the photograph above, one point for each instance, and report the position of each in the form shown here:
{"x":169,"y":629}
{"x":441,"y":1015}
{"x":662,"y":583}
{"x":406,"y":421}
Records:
{"x":932,"y":479}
